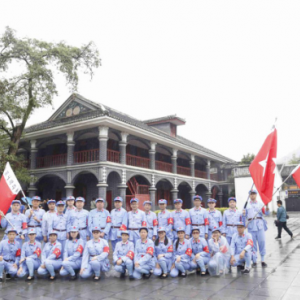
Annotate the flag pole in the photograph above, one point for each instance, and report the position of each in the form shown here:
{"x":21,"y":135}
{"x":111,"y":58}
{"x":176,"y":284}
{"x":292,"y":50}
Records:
{"x":26,"y":199}
{"x":248,"y":196}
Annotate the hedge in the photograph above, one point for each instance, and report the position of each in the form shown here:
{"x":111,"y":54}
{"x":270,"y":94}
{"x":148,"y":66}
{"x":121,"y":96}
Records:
{"x":221,"y":209}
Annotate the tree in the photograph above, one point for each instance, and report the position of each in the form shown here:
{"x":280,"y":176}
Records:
{"x":29,"y":83}
{"x":247,"y":159}
{"x":294,"y":160}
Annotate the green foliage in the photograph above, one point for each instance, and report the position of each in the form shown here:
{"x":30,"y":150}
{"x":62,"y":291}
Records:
{"x":294,"y":160}
{"x":247,"y":159}
{"x":27,"y":69}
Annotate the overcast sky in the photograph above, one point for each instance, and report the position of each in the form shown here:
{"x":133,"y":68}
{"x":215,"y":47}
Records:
{"x":228,"y":67}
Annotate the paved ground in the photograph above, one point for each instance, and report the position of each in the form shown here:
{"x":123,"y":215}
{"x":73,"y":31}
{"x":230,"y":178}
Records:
{"x":281,"y":280}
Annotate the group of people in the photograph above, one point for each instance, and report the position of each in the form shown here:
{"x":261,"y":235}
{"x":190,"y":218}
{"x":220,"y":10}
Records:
{"x":70,"y":240}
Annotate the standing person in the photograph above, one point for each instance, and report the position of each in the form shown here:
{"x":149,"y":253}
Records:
{"x":10,"y":251}
{"x":199,"y":216}
{"x":200,"y":256}
{"x":100,"y":217}
{"x":51,"y":257}
{"x":45,"y":205}
{"x":95,"y":256}
{"x":151,"y":220}
{"x":30,"y":256}
{"x":215,"y":218}
{"x":124,"y":255}
{"x":79,"y":218}
{"x":220,"y":254}
{"x":230,"y":217}
{"x":119,"y":221}
{"x":70,"y":208}
{"x":136,"y":220}
{"x":241,"y":248}
{"x":163,"y":252}
{"x":59,"y":223}
{"x":281,"y":218}
{"x":181,"y":219}
{"x":93,"y":203}
{"x":143,"y":259}
{"x":165,"y":218}
{"x":35,"y":218}
{"x":18,"y":220}
{"x":47,"y":217}
{"x":72,"y":256}
{"x":257,"y":226}
{"x":182,"y":254}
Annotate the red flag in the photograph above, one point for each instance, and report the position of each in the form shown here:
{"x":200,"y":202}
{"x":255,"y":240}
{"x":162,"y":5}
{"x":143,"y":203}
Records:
{"x":9,"y":188}
{"x":296,"y":175}
{"x":262,"y":168}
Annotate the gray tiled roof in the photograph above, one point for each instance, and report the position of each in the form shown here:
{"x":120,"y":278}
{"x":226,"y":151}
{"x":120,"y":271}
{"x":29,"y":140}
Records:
{"x":110,"y":112}
{"x":163,"y":119}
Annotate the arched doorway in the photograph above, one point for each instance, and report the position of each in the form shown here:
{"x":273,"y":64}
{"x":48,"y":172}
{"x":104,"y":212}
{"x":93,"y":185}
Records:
{"x":163,"y":191}
{"x":184,"y":194}
{"x":214,"y":194}
{"x":137,"y":187}
{"x":51,"y":187}
{"x":113,"y":180}
{"x":86,"y":186}
{"x":202,"y":190}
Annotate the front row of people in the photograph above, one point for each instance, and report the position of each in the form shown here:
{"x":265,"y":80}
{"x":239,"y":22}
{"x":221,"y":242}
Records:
{"x":161,"y":257}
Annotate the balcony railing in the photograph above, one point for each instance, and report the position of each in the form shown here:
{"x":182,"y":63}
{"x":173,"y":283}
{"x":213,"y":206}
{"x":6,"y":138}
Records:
{"x":113,"y":156}
{"x":51,"y":161}
{"x":200,"y":174}
{"x":214,"y":177}
{"x":137,"y":161}
{"x":184,"y":171}
{"x":163,"y":166}
{"x":86,"y":156}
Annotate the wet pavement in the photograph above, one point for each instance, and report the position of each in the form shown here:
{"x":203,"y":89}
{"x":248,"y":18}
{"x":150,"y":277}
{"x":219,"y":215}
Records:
{"x":280,"y":280}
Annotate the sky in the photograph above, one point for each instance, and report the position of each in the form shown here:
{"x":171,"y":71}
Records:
{"x":229,"y":68}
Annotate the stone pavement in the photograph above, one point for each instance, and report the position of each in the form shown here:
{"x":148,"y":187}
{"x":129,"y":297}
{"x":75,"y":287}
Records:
{"x":280,"y":280}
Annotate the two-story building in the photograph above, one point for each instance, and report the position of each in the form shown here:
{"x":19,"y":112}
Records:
{"x":89,"y":149}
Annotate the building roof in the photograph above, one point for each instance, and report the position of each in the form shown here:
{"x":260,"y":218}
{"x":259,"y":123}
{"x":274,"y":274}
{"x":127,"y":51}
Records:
{"x":95,"y":110}
{"x":167,"y":119}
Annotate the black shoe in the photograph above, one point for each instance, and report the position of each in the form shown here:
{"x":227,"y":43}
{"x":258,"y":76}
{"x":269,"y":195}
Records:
{"x":203,"y":274}
{"x":147,"y":276}
{"x":245,"y":271}
{"x":164,"y":276}
{"x":183,"y":275}
{"x":8,"y":276}
{"x":198,"y":271}
{"x":29,"y":279}
{"x":122,"y":275}
{"x":52,"y":278}
{"x":254,"y":265}
{"x":278,"y":238}
{"x":263,"y":264}
{"x":179,"y":273}
{"x":240,"y":267}
{"x":96,"y":279}
{"x":73,"y":277}
{"x":131,"y":277}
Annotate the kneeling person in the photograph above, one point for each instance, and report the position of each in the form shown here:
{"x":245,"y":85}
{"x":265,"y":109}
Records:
{"x":51,"y":256}
{"x":241,"y":248}
{"x":10,"y":252}
{"x":124,"y":255}
{"x":95,"y":256}
{"x":30,"y":256}
{"x":72,"y":254}
{"x":200,"y":256}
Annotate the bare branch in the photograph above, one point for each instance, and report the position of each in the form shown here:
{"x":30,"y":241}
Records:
{"x":5,"y":130}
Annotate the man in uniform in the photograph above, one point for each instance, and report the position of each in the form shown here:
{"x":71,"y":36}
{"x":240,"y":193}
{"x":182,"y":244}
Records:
{"x":119,"y":220}
{"x":136,"y":220}
{"x":80,"y":219}
{"x":35,"y":218}
{"x":181,"y":219}
{"x":230,"y":217}
{"x":47,"y":218}
{"x":151,"y":220}
{"x":199,"y":217}
{"x":257,"y":226}
{"x":215,"y":218}
{"x":165,"y":218}
{"x":241,"y":248}
{"x":10,"y":252}
{"x":100,"y":217}
{"x":15,"y":219}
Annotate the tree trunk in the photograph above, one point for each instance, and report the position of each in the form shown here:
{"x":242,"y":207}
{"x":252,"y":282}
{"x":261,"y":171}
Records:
{"x":15,"y":140}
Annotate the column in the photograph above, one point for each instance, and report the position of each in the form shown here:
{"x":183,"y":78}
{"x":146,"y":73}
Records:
{"x":32,"y":190}
{"x":33,"y":154}
{"x":220,"y":195}
{"x":152,"y":155}
{"x":69,"y":187}
{"x":208,"y":169}
{"x":102,"y":190}
{"x":174,"y":161}
{"x":192,"y":165}
{"x":174,"y":193}
{"x":152,"y":191}
{"x":192,"y":194}
{"x":122,"y":147}
{"x":103,"y":138}
{"x":122,"y":191}
{"x":70,"y":149}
